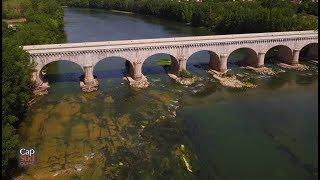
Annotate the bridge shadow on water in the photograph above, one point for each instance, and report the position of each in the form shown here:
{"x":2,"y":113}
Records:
{"x":65,"y":77}
{"x":195,"y":68}
{"x":104,"y":74}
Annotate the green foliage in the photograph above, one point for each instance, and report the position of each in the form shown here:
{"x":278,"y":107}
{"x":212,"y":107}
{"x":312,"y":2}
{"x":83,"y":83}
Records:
{"x":277,"y":4}
{"x":12,"y":9}
{"x":185,"y":74}
{"x":16,"y":76}
{"x":15,"y":94}
{"x":164,"y":62}
{"x":219,"y":16}
{"x":44,"y":25}
{"x":10,"y":141}
{"x":308,"y":7}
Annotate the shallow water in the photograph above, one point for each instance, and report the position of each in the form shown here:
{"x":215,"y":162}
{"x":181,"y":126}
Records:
{"x":269,"y":132}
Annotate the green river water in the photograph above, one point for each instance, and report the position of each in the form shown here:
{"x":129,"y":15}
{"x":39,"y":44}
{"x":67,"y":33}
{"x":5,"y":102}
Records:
{"x":169,"y":131}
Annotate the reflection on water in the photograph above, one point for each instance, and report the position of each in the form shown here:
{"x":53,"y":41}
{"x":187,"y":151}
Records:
{"x":169,"y":131}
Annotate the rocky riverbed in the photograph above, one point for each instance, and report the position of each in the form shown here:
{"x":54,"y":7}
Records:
{"x":261,"y":70}
{"x":230,"y":80}
{"x":297,"y":67}
{"x":90,"y":87}
{"x":140,"y":84}
{"x":183,"y":81}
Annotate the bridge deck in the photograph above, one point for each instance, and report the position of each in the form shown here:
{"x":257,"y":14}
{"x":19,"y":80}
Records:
{"x":67,"y":47}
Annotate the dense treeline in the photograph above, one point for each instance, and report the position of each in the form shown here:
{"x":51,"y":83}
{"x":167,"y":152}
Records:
{"x":308,"y":7}
{"x":220,"y":16}
{"x":44,"y":25}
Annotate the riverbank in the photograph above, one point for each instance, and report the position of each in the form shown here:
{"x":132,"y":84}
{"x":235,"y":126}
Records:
{"x":271,"y":18}
{"x":40,"y":27}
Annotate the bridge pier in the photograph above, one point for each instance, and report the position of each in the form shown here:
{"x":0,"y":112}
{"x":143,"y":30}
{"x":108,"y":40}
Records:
{"x":295,"y":59}
{"x":89,"y":83}
{"x":218,"y":63}
{"x":137,"y":71}
{"x":261,"y":56}
{"x":222,"y":65}
{"x":182,"y":64}
{"x":214,"y":61}
{"x":136,"y":78}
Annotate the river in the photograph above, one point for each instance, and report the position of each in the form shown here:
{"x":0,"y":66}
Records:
{"x":169,"y":131}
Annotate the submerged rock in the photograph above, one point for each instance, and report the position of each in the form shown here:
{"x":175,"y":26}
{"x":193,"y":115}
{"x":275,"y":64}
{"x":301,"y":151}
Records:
{"x":89,"y":156}
{"x":108,"y":100}
{"x":175,"y":101}
{"x":89,"y":87}
{"x":297,"y":67}
{"x":32,"y":101}
{"x":261,"y":70}
{"x":183,"y":81}
{"x":156,"y":80}
{"x":186,"y":163}
{"x":78,"y":167}
{"x":182,"y":153}
{"x":41,"y":90}
{"x":140,"y":84}
{"x":314,"y":61}
{"x":230,"y":81}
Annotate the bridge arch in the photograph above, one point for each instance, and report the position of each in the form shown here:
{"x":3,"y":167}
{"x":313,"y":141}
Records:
{"x":44,"y":61}
{"x":279,"y":53}
{"x":101,"y":68}
{"x":72,"y":76}
{"x":244,"y":56}
{"x":112,"y":56}
{"x":171,"y":67}
{"x":309,"y":52}
{"x":205,"y":59}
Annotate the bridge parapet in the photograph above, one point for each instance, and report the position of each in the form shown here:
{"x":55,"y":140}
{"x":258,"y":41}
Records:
{"x":167,"y":43}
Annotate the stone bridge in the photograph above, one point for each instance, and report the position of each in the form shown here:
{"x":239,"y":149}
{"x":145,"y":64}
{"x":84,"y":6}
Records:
{"x":255,"y":45}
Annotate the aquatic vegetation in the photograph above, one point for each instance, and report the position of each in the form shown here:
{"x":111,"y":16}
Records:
{"x":108,"y":100}
{"x":185,"y":74}
{"x":88,"y":96}
{"x":162,"y":97}
{"x":88,"y":136}
{"x":163,"y":62}
{"x":185,"y":80}
{"x":65,"y":110}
